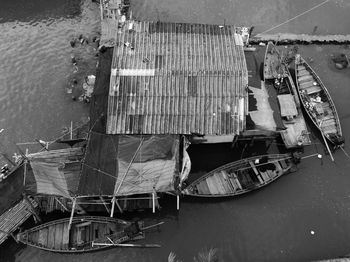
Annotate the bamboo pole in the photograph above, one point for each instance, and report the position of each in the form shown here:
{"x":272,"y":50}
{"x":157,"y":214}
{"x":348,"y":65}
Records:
{"x":58,"y":201}
{"x":72,"y":214}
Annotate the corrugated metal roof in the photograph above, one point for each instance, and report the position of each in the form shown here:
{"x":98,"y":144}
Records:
{"x":172,"y":78}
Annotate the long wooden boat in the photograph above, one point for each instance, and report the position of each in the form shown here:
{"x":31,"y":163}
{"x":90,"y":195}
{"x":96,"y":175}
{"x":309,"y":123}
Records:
{"x":277,"y":76}
{"x":242,"y":176}
{"x":317,"y":102}
{"x":87,"y":233}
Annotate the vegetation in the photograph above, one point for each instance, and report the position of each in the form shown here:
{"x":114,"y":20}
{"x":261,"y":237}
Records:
{"x":203,"y":256}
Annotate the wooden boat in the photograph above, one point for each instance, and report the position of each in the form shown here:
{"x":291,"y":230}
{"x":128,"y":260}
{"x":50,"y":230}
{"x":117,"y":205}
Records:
{"x":242,"y":176}
{"x":317,"y":102}
{"x":277,"y":76}
{"x":87,"y":233}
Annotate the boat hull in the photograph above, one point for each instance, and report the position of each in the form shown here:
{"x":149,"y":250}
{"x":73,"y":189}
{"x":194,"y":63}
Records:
{"x":56,"y":236}
{"x":317,"y":102}
{"x":294,"y":132}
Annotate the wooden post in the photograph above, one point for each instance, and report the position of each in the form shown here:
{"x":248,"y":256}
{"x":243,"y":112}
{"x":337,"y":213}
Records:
{"x":25,"y":172}
{"x":71,"y":130}
{"x":72,"y":213}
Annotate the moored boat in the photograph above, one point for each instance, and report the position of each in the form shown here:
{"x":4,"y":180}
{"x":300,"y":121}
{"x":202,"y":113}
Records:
{"x":317,"y":102}
{"x":87,"y":233}
{"x":242,"y":176}
{"x":277,"y":76}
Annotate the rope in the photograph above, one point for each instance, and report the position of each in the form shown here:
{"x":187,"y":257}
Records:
{"x":346,"y":154}
{"x":295,"y":17}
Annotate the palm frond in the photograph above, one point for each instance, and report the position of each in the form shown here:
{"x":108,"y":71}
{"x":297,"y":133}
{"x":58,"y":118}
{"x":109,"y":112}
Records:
{"x":207,"y":256}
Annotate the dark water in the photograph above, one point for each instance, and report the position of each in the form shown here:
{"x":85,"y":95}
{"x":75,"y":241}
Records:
{"x":273,"y":224}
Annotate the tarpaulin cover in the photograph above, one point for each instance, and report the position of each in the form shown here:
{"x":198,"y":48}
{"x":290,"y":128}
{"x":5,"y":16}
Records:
{"x":54,"y":172}
{"x":129,"y":164}
{"x":49,"y":179}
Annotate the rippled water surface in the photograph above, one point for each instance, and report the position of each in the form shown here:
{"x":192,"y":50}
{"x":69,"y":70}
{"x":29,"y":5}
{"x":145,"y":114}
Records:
{"x":273,"y":224}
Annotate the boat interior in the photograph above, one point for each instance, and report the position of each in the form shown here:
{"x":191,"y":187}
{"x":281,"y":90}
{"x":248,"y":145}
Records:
{"x":236,"y":180}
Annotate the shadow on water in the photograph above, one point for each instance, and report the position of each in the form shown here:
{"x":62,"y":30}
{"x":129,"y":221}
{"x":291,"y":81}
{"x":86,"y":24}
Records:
{"x":24,"y":11}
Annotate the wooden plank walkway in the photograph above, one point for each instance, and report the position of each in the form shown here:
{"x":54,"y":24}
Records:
{"x":14,"y":217}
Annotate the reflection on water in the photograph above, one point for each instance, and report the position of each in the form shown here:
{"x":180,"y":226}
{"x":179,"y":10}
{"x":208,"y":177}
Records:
{"x":272,"y":224}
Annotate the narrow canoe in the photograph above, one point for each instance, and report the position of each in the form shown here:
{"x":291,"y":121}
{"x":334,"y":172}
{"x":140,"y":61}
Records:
{"x":317,"y":102}
{"x":242,"y":176}
{"x":55,"y":236}
{"x":277,"y":76}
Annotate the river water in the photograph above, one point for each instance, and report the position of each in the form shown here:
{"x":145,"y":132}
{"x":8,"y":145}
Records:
{"x":272,"y":224}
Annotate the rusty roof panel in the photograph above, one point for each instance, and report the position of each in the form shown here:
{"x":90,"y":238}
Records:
{"x":177,"y":79}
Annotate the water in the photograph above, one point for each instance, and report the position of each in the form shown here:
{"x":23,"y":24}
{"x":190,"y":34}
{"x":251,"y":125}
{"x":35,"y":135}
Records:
{"x":273,"y":224}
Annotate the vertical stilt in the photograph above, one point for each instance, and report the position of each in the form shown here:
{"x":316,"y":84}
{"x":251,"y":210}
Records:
{"x":72,"y":213}
{"x":178,"y":202}
{"x":153,"y":202}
